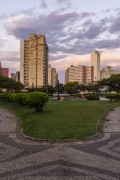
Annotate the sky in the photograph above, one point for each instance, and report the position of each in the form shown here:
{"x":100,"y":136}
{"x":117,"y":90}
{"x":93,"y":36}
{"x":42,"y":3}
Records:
{"x":73,"y":30}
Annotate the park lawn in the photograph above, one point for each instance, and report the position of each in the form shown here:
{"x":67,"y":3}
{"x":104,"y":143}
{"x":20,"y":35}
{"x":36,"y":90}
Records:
{"x":63,"y":120}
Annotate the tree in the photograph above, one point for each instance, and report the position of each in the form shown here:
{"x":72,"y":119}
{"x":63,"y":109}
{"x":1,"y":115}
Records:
{"x":61,"y":88}
{"x":113,"y":83}
{"x":71,"y":87}
{"x":82,"y":87}
{"x":10,"y":84}
{"x":37,"y":100}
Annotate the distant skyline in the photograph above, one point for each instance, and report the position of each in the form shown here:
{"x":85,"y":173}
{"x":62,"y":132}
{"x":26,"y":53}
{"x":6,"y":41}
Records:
{"x":73,"y":29}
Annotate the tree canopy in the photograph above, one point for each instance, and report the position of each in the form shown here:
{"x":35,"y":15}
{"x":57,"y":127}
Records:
{"x":10,"y":84}
{"x":113,"y":82}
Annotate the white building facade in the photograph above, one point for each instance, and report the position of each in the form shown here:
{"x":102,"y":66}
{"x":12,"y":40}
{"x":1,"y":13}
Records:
{"x":81,"y":74}
{"x":95,"y":62}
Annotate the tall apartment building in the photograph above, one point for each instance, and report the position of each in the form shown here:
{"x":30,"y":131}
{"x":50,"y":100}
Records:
{"x":95,"y":62}
{"x":5,"y":72}
{"x":81,"y":74}
{"x":13,"y":76}
{"x":106,"y":72}
{"x":52,"y":76}
{"x":16,"y":76}
{"x":34,"y":61}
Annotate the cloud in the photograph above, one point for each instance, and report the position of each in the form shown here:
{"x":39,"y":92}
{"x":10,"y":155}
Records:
{"x":107,"y":10}
{"x":110,"y":58}
{"x":25,"y":12}
{"x":10,"y":59}
{"x":9,"y":56}
{"x":52,"y":23}
{"x":67,"y":32}
{"x":2,"y":42}
{"x":63,"y":1}
{"x":117,"y":10}
{"x":91,"y":33}
{"x":87,"y":14}
{"x":53,"y":57}
{"x":66,"y":4}
{"x":3,"y":16}
{"x":115,"y":25}
{"x":43,"y":4}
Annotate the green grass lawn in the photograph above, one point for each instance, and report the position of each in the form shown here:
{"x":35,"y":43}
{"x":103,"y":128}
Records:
{"x":63,"y":120}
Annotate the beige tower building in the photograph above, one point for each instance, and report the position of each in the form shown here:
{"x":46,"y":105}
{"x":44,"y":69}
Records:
{"x":52,"y":76}
{"x":81,"y":74}
{"x":95,"y":62}
{"x":34,"y":61}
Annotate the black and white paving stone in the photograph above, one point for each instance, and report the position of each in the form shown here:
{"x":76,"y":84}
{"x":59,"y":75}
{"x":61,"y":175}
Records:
{"x":22,"y":159}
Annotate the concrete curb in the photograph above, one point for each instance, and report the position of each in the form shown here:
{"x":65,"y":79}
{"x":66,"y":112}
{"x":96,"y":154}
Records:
{"x":51,"y":140}
{"x":19,"y":123}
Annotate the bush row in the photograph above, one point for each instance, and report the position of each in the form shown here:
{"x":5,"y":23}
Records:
{"x":37,"y":100}
{"x":113,"y":96}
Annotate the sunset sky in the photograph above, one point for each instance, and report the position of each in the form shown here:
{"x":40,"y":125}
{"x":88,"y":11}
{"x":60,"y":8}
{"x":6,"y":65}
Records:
{"x":73,"y":29}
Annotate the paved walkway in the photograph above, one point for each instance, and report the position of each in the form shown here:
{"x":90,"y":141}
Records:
{"x":22,"y":159}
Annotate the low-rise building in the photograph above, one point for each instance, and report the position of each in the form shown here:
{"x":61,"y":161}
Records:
{"x":4,"y":71}
{"x":81,"y":74}
{"x":106,"y":72}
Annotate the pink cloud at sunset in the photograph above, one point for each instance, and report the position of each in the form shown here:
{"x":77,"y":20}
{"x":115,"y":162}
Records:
{"x":73,"y":30}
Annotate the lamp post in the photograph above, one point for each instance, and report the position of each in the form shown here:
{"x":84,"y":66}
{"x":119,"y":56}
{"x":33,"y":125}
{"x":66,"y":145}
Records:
{"x":116,"y":87}
{"x":32,"y":84}
{"x":76,"y":88}
{"x":108,"y":87}
{"x":58,"y":98}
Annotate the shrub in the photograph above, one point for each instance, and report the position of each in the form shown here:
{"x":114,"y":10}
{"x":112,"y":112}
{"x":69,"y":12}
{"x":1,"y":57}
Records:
{"x":92,"y":96}
{"x":8,"y":96}
{"x":113,"y":96}
{"x":37,"y":100}
{"x":21,"y":98}
{"x":13,"y":97}
{"x":4,"y":97}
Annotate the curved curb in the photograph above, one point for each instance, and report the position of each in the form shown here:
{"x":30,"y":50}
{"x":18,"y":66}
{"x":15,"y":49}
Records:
{"x":97,"y":133}
{"x":51,"y":140}
{"x":20,"y":131}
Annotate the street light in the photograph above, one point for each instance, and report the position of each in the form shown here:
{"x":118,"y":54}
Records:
{"x":58,"y":98}
{"x":76,"y":88}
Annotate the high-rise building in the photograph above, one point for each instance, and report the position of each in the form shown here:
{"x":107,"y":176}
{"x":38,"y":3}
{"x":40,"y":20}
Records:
{"x":34,"y":61}
{"x":52,"y":76}
{"x":13,"y":76}
{"x":81,"y":74}
{"x":95,"y":62}
{"x":5,"y":72}
{"x":16,"y":76}
{"x":49,"y":74}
